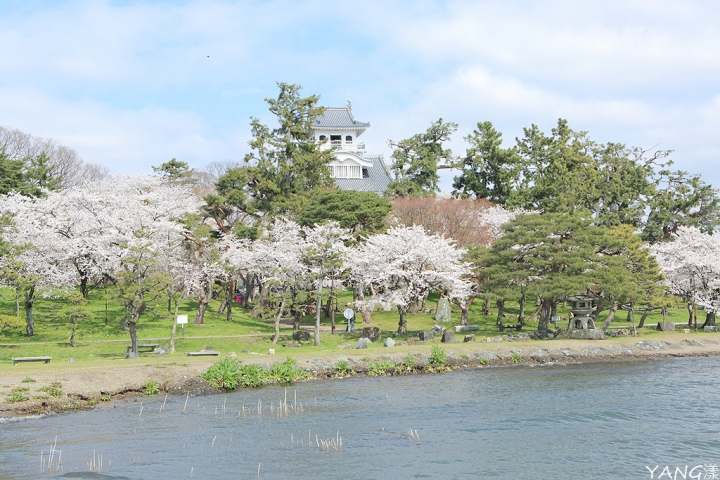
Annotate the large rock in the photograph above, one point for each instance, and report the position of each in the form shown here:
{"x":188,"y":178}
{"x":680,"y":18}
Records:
{"x":469,"y":338}
{"x":448,"y":337}
{"x":363,"y":343}
{"x":712,"y":328}
{"x":389,"y":342}
{"x":437,"y":330}
{"x":373,"y":333}
{"x":301,"y":335}
{"x":665,"y":327}
{"x":442,"y":313}
{"x":466,"y":328}
{"x":426,"y":336}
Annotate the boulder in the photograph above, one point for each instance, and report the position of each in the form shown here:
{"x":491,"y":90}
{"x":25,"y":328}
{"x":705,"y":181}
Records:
{"x":389,"y":342}
{"x":448,"y":337}
{"x":469,"y":338}
{"x":372,"y":333}
{"x":712,"y":328}
{"x":685,"y":330}
{"x":271,"y":351}
{"x":363,"y":343}
{"x":131,"y":355}
{"x":426,"y":336}
{"x":665,"y":327}
{"x":301,"y":335}
{"x":437,"y":330}
{"x":442,"y":313}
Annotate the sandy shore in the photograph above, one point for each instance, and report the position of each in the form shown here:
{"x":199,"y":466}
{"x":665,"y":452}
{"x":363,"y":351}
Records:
{"x":86,"y":385}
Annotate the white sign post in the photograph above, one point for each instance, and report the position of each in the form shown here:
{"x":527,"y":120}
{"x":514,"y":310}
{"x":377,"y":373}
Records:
{"x":182,"y":320}
{"x":349,"y":314}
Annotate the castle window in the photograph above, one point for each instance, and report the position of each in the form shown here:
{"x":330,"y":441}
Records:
{"x":322,"y":138}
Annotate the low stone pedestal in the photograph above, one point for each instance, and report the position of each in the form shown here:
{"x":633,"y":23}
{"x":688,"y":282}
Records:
{"x":466,"y":328}
{"x":448,"y":337}
{"x":712,"y":328}
{"x":581,"y":334}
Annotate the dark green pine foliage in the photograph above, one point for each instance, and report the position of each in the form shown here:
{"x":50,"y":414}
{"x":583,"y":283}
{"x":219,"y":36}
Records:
{"x":362,"y":213}
{"x":551,"y":256}
{"x":416,"y":160}
{"x":488,"y":170}
{"x":285,"y":168}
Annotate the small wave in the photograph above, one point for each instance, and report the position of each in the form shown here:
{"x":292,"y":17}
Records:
{"x":4,"y":420}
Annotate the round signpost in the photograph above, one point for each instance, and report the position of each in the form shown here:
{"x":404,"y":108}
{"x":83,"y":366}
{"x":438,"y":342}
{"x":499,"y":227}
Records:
{"x":349,"y":313}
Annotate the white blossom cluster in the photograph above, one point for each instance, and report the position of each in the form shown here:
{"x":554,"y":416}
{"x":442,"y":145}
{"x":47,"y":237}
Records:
{"x":691,"y":265}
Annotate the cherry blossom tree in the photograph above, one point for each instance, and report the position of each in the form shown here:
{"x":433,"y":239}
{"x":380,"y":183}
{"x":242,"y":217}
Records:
{"x":691,"y":265}
{"x":405,"y":264}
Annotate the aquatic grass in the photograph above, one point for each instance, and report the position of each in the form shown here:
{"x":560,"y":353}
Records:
{"x":151,"y":388}
{"x":28,"y":380}
{"x":224,"y":374}
{"x":16,"y":397}
{"x":516,"y":358}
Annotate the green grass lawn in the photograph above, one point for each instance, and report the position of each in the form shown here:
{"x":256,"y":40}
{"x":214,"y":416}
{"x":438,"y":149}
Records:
{"x":97,"y":341}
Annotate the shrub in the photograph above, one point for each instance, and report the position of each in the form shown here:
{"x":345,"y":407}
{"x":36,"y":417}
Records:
{"x":437,"y":355}
{"x":286,"y":372}
{"x":409,"y":361}
{"x":151,"y":388}
{"x":342,"y":368}
{"x":381,"y":367}
{"x":484,"y":361}
{"x":224,"y":374}
{"x":516,"y":358}
{"x":252,"y":376}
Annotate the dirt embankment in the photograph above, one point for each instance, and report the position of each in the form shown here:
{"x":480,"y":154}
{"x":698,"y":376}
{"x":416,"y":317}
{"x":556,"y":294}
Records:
{"x":84,"y":386}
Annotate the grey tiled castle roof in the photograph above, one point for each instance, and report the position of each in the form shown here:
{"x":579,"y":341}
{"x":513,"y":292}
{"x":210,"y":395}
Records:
{"x":375,"y":179}
{"x":339,"y":117}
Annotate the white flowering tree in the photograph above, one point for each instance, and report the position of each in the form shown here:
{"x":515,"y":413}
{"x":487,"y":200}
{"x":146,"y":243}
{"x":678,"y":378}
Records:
{"x":691,"y":265}
{"x":324,"y":253}
{"x":36,"y":263}
{"x":405,"y":264}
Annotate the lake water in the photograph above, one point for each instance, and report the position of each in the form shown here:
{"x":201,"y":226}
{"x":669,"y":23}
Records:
{"x":598,"y":421}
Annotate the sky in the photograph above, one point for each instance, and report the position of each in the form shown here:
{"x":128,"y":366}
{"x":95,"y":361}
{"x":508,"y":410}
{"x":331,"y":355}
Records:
{"x":132,"y":84}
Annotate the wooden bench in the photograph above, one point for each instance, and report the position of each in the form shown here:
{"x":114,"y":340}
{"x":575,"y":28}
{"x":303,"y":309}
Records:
{"x":202,"y":354}
{"x":31,"y":359}
{"x":151,"y":346}
{"x":517,"y":327}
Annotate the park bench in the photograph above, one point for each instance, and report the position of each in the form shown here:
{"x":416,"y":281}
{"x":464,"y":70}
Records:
{"x":151,"y":346}
{"x":202,"y":354}
{"x":31,"y":359}
{"x":517,"y":327}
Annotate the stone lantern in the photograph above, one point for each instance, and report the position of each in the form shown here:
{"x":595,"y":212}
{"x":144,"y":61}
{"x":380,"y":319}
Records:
{"x":582,"y":310}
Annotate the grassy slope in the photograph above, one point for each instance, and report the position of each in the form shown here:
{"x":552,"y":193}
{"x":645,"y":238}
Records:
{"x":97,"y":342}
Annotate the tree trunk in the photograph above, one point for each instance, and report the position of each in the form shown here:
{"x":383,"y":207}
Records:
{"x":133,"y":337}
{"x":500,"y":304}
{"x":72,"y":332}
{"x":642,"y":319}
{"x":229,"y":293}
{"x":486,"y":306}
{"x":202,"y":306}
{"x":402,"y":324}
{"x":610,"y":317}
{"x":29,"y":301}
{"x":546,"y":308}
{"x":132,"y":325}
{"x":257,"y":308}
{"x":297,"y":317}
{"x":690,"y":314}
{"x":709,"y":319}
{"x":364,"y":310}
{"x":465,"y":309}
{"x":223,"y":306}
{"x":318,"y":306}
{"x":523,"y":301}
{"x":277,"y":322}
{"x":174,"y":329}
{"x":84,"y":287}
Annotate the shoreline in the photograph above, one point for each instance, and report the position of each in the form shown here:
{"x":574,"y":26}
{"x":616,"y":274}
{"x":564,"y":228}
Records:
{"x":86,"y":387}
